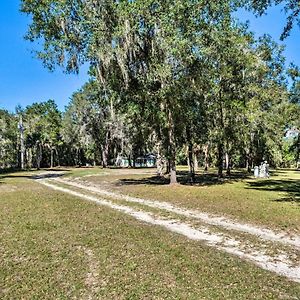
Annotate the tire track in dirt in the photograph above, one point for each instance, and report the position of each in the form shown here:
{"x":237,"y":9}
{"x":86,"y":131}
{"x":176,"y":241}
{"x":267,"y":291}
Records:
{"x":279,"y":264}
{"x":263,"y":233}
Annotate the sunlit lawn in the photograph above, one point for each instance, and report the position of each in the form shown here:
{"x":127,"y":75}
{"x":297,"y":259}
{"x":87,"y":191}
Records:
{"x":55,"y":246}
{"x":273,"y":202}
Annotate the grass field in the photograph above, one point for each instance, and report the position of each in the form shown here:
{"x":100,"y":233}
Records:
{"x":273,"y":202}
{"x":56,"y":246}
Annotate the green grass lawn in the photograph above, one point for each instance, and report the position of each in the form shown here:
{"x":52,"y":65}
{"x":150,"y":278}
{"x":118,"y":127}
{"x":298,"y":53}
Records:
{"x":55,"y":246}
{"x":273,"y":202}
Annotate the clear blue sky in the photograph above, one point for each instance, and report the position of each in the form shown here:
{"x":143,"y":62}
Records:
{"x":24,"y":80}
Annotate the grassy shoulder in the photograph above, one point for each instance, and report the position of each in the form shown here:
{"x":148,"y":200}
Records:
{"x":55,"y":246}
{"x":273,"y":202}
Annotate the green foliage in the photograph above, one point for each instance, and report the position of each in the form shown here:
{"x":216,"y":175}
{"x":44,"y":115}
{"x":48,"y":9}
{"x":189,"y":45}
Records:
{"x":42,"y":123}
{"x":8,"y":140}
{"x":165,"y":76}
{"x":289,"y":154}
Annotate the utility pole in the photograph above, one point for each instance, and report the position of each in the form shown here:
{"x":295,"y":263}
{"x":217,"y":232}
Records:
{"x":21,"y":129}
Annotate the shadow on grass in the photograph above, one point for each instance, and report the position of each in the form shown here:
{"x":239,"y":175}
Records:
{"x":289,"y":186}
{"x":184,"y":178}
{"x":48,"y":173}
{"x":12,"y":173}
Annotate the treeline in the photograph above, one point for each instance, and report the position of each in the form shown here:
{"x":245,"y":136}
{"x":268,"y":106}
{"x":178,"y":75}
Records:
{"x":95,"y":129}
{"x":182,"y":79}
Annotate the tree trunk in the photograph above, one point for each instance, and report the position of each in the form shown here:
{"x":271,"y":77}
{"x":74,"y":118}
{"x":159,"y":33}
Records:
{"x":250,"y":156}
{"x":206,"y":162}
{"x":298,"y":151}
{"x":57,"y":157}
{"x":221,"y":137}
{"x":51,"y":158}
{"x":191,"y":163}
{"x":133,"y":160}
{"x":78,"y":157}
{"x":220,"y":160}
{"x":22,"y":154}
{"x":104,"y":157}
{"x":159,"y":166}
{"x":105,"y":150}
{"x":39,"y":156}
{"x":173,"y":177}
{"x":190,"y":156}
{"x":168,"y":168}
{"x":159,"y":162}
{"x":172,"y":149}
{"x":30,"y":158}
{"x":129,"y":161}
{"x":248,"y":162}
{"x":196,"y":164}
{"x":227,"y":163}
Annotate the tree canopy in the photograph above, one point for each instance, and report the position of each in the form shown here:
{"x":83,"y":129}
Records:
{"x":182,"y":79}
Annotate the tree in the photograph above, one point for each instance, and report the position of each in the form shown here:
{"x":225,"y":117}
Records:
{"x":93,"y":125}
{"x":42,"y":123}
{"x":134,"y":46}
{"x":184,"y":72}
{"x":8,"y":140}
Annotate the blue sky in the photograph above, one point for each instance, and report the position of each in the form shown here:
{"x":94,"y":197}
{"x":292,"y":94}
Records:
{"x":273,"y":23}
{"x":24,"y":80}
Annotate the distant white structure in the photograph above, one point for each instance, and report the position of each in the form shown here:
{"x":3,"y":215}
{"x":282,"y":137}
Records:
{"x":292,"y":133}
{"x":262,"y":171}
{"x":256,"y":171}
{"x":122,"y":162}
{"x":147,"y":161}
